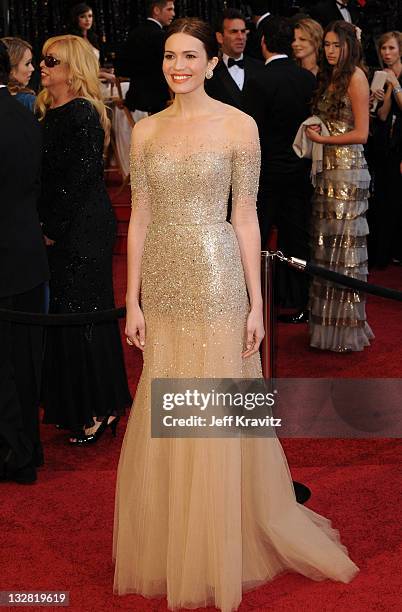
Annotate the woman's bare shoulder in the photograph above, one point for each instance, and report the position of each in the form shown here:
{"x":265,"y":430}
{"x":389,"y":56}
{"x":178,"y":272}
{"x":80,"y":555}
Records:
{"x":238,"y":118}
{"x":359,"y":76}
{"x":145,"y":129}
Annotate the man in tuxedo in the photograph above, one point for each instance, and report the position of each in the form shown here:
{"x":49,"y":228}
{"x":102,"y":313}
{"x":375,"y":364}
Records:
{"x":141,"y":59}
{"x":279,"y":100}
{"x":234,"y":68}
{"x":334,"y":10}
{"x":23,"y":272}
{"x":261,"y":10}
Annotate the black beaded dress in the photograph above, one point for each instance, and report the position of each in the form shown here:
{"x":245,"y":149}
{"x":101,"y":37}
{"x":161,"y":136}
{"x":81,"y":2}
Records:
{"x":84,"y":373}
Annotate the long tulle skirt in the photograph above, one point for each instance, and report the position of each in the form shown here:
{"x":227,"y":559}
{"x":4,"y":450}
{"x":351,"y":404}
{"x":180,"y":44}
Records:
{"x":202,"y":520}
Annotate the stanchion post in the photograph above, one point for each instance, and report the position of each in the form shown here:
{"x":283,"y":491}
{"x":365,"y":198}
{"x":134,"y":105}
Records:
{"x":267,"y":286}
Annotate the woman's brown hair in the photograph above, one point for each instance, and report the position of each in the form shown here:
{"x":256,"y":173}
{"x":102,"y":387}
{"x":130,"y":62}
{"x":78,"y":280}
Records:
{"x":337,"y":78}
{"x":385,"y":38}
{"x":16,"y":48}
{"x":313,"y":31}
{"x":198,"y":29}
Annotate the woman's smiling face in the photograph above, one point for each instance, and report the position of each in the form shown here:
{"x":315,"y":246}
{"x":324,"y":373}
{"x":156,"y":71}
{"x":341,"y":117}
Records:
{"x":185,"y":63}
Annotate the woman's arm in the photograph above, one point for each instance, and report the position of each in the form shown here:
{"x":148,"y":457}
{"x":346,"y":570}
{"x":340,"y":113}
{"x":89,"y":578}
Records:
{"x":359,"y":95}
{"x":139,"y":221}
{"x":384,"y":109}
{"x":245,"y":177}
{"x":394,"y":84}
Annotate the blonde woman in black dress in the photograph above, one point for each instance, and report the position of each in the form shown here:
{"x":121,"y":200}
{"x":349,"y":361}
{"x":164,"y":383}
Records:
{"x":84,"y":379}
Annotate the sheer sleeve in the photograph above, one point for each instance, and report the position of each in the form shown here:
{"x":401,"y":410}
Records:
{"x":246,"y":163}
{"x":140,"y":196}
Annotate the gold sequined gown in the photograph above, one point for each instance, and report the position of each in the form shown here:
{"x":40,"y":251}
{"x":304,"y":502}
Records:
{"x":339,"y":239}
{"x":201,"y":520}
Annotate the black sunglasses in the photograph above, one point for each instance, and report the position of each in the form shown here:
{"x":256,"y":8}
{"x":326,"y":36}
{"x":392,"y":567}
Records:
{"x":50,"y":61}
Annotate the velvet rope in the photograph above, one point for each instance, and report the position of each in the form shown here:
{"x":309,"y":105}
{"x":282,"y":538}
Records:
{"x":73,"y":318}
{"x":89,"y":318}
{"x":353,"y":283}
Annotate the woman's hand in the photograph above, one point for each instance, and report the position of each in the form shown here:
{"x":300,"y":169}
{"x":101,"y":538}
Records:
{"x":378,"y":94}
{"x":107,"y":76}
{"x":391,"y":78}
{"x":135,"y":327}
{"x":48,"y":241}
{"x":255,"y":332}
{"x":314,"y":133}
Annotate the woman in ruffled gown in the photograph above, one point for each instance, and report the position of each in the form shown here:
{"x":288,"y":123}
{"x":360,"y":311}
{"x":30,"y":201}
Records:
{"x":201,"y":520}
{"x":339,"y":228}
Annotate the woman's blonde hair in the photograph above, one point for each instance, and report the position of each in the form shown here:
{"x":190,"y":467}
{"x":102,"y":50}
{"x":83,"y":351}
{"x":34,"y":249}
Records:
{"x":83,"y":69}
{"x":314,"y":32}
{"x":385,"y":38}
{"x":16,"y":48}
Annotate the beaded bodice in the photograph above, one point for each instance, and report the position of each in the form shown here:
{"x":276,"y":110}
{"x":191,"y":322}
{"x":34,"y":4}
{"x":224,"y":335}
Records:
{"x":186,"y":184}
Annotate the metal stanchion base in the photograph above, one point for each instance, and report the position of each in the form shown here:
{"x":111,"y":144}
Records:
{"x":268,"y":352}
{"x":302,"y":492}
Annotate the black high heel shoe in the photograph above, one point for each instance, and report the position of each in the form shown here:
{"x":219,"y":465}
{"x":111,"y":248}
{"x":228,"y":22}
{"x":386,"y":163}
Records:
{"x":84,"y":439}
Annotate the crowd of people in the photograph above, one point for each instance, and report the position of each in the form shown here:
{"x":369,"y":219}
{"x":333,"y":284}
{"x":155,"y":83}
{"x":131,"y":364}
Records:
{"x":61,"y":235}
{"x":281,"y":73}
{"x":225,"y":109}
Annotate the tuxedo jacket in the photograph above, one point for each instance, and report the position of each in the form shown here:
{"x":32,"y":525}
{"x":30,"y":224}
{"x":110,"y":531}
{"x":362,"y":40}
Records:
{"x":279,"y":100}
{"x":141,"y":59}
{"x":253,"y":46}
{"x":327,"y":10}
{"x":224,"y":88}
{"x":23,"y":260}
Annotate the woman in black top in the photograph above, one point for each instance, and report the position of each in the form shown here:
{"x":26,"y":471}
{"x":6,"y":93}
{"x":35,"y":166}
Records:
{"x":386,"y":214}
{"x":84,"y":375}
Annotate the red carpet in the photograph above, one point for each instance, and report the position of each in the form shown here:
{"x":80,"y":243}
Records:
{"x":57,"y":534}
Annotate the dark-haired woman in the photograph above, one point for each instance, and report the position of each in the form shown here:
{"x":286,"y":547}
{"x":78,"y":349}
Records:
{"x":200,"y":520}
{"x":339,"y":232}
{"x":82,"y":22}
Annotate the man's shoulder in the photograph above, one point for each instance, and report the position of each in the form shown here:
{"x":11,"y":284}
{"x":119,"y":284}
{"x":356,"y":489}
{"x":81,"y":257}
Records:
{"x":281,"y":68}
{"x":308,"y":76}
{"x":220,"y":67}
{"x":16,"y":123}
{"x":278,"y":69}
{"x":146,"y":28}
{"x":253,"y":63}
{"x":12,"y":110}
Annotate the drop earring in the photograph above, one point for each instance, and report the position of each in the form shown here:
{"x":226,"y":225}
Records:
{"x":209,"y":73}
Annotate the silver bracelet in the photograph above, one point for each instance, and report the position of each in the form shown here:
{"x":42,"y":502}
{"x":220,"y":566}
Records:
{"x":396,"y":90}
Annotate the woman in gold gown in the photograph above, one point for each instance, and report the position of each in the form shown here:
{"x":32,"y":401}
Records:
{"x":339,"y":233}
{"x":201,"y":520}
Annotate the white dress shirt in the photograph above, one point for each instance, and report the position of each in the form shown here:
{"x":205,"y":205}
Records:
{"x":275,"y":57}
{"x":156,"y":21}
{"x":235,"y":72}
{"x":261,"y":18}
{"x":345,"y":12}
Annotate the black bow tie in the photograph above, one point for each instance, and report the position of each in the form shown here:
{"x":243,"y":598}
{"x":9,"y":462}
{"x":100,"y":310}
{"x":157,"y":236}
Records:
{"x":233,"y":62}
{"x":342,"y":5}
